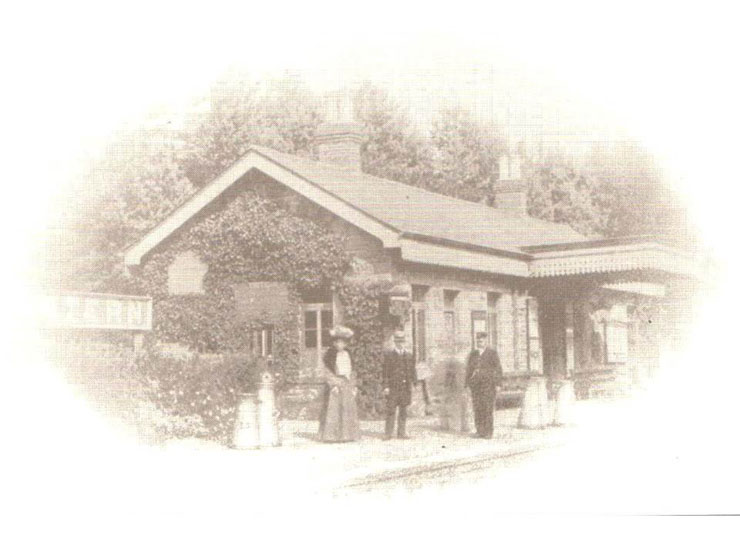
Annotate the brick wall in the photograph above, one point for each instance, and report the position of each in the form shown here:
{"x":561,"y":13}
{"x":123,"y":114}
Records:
{"x":505,"y":328}
{"x":510,"y":306}
{"x":472,"y":296}
{"x":473,"y":287}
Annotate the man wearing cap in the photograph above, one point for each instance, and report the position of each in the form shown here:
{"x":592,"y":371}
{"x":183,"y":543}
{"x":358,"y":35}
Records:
{"x":483,"y":378}
{"x":399,"y":374}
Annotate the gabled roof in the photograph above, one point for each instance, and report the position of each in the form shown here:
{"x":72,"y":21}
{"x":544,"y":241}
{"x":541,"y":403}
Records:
{"x":391,"y":211}
{"x":430,"y":228}
{"x":416,"y":211}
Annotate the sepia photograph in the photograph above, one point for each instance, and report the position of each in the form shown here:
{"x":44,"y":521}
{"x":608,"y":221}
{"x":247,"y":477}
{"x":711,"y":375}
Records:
{"x":290,"y":277}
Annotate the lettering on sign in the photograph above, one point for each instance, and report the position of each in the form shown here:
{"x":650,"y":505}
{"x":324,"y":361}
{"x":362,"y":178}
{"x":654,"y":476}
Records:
{"x":95,"y":311}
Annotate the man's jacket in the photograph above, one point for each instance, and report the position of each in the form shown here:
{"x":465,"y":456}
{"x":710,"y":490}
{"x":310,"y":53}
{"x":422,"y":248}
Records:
{"x":484,"y":370}
{"x":399,"y":374}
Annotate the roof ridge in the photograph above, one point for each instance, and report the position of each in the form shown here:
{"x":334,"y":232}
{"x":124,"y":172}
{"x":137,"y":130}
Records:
{"x":432,"y":214}
{"x":327,"y":165}
{"x":496,"y":211}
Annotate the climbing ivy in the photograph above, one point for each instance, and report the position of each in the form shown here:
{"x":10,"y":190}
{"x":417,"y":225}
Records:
{"x":248,"y":239}
{"x":364,"y":311}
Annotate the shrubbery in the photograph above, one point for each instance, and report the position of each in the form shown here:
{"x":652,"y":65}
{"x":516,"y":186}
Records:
{"x":160,"y":397}
{"x":203,"y":389}
{"x":247,"y":239}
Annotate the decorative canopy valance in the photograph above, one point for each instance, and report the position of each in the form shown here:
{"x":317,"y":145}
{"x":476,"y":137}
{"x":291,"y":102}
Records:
{"x":609,"y":256}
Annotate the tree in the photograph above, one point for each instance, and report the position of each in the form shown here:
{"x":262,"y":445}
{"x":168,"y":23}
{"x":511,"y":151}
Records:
{"x":465,"y":152}
{"x":122,"y":196}
{"x":392,"y":149}
{"x":618,"y":191}
{"x":283,"y":114}
{"x":557,"y":192}
{"x":631,"y":189}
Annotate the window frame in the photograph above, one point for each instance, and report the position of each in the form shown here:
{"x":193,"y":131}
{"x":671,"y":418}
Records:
{"x":322,"y":329}
{"x":449,"y":316}
{"x":419,"y":320}
{"x":492,"y":299}
{"x":262,"y":341}
{"x":611,"y":356}
{"x":533,"y":337}
{"x":419,"y":333}
{"x":478,"y":316}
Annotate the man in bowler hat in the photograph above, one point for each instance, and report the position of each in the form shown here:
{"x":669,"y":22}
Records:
{"x":399,"y":374}
{"x":483,"y":378}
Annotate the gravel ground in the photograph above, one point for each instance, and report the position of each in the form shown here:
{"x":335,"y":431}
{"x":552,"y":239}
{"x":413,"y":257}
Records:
{"x":431,"y":451}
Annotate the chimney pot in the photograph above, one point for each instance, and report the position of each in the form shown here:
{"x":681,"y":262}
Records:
{"x":339,"y":139}
{"x":510,"y":191}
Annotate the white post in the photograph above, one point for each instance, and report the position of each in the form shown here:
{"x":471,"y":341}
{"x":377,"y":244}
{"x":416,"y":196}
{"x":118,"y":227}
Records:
{"x":267,"y":413}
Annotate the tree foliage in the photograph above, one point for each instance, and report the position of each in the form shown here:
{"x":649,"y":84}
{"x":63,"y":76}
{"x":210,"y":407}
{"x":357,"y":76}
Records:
{"x":393,"y":149}
{"x":630,"y":188}
{"x":136,"y":184}
{"x":617,"y":190}
{"x":283,"y":114}
{"x":557,"y":192}
{"x":464,"y":155}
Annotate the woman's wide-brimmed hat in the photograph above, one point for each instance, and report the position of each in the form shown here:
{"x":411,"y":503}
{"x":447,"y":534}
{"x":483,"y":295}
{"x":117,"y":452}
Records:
{"x":341,"y":332}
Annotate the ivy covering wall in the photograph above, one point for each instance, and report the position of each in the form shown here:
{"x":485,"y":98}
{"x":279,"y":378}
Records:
{"x":252,"y":239}
{"x":248,"y":239}
{"x":363,"y":311}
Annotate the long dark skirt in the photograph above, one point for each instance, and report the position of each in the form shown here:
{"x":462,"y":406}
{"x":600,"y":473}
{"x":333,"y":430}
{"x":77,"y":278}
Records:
{"x":338,"y":420}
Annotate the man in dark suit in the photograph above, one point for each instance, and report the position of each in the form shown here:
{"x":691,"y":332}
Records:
{"x":483,"y":378}
{"x":399,"y":374}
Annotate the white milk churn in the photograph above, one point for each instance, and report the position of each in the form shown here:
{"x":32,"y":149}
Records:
{"x":535,"y":406}
{"x":564,"y":401}
{"x":267,"y":413}
{"x":246,"y":430}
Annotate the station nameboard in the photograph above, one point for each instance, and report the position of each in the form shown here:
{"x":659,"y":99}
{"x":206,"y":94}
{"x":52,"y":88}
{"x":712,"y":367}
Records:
{"x":101,"y":311}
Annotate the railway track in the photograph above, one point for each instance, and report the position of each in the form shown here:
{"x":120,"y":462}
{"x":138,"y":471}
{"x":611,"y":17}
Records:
{"x":441,"y":471}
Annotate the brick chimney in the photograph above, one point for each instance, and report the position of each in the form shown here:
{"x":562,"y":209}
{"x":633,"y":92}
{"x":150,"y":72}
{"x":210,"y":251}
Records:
{"x":510,"y":191}
{"x":339,"y":138}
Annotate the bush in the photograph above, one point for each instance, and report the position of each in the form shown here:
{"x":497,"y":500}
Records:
{"x":106,"y":375}
{"x":203,"y":389}
{"x":160,"y":397}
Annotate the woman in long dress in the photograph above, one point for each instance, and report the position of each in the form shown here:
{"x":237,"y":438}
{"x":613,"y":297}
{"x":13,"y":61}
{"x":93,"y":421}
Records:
{"x":338,"y":420}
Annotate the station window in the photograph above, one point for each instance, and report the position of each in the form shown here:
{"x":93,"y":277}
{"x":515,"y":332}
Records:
{"x":262,"y":341}
{"x":317,"y":322}
{"x":479,"y":323}
{"x":492,"y":301}
{"x":419,"y":333}
{"x":418,"y":321}
{"x":450,"y":316}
